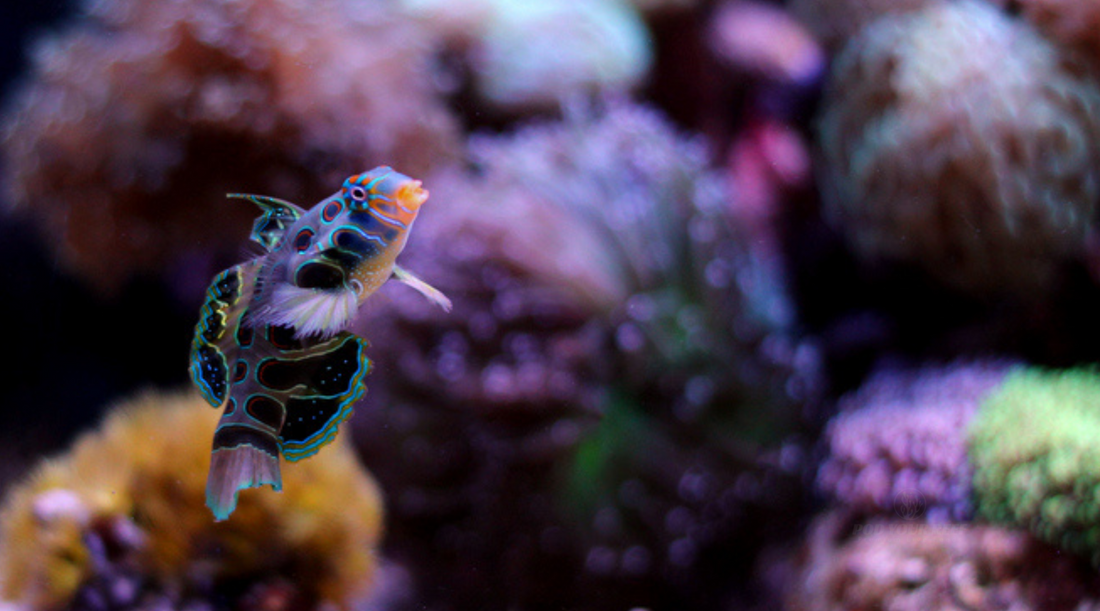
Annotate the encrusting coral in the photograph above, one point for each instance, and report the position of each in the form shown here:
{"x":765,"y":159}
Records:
{"x":137,"y":120}
{"x":1035,"y":458}
{"x":895,"y":565}
{"x":1006,"y":129}
{"x":120,"y":521}
{"x":599,"y":288}
{"x":901,"y":438}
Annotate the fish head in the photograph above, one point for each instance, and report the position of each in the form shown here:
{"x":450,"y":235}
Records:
{"x":341,"y":250}
{"x":391,"y":196}
{"x":363,"y":225}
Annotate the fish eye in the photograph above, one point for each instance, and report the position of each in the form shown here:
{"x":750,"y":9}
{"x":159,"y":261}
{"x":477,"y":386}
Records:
{"x":358,"y":193}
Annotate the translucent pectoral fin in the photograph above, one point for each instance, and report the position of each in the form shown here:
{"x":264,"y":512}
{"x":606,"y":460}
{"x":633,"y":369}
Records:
{"x":412,"y":280}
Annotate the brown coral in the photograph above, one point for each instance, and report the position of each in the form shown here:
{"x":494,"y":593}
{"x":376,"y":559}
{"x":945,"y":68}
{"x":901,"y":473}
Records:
{"x":1007,"y":133}
{"x":910,"y":566}
{"x":138,"y":120}
{"x":120,"y":520}
{"x":1075,"y":23}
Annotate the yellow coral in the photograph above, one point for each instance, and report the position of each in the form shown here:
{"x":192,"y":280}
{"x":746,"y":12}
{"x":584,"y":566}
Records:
{"x":145,"y":469}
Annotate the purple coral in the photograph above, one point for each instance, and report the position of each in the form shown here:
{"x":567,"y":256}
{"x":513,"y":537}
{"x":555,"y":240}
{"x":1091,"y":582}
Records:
{"x":137,"y":121}
{"x":898,"y":445}
{"x":598,"y":281}
{"x":958,"y":139}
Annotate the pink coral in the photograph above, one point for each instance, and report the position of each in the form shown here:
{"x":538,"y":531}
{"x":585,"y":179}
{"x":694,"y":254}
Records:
{"x":137,"y":121}
{"x":908,"y":566}
{"x":764,"y":40}
{"x":1005,"y":131}
{"x":902,"y":438}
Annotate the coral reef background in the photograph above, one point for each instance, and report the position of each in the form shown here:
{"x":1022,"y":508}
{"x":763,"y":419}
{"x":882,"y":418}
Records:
{"x":759,"y":304}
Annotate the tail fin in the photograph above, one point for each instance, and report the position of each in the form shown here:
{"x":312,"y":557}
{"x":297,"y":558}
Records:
{"x":243,"y":457}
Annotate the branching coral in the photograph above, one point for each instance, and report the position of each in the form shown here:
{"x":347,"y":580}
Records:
{"x":1036,"y":463}
{"x":137,"y":121}
{"x":120,"y":521}
{"x":599,"y":286}
{"x":902,"y":438}
{"x":1007,"y":133}
{"x":908,"y":566}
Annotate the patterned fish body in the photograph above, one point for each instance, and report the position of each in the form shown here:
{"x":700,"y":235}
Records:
{"x":270,"y":346}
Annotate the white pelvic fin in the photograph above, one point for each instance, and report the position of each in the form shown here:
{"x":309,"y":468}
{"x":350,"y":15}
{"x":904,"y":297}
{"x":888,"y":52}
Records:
{"x":433,"y":294}
{"x":309,"y":311}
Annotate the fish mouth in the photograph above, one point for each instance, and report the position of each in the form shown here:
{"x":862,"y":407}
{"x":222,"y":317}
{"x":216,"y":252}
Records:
{"x":411,"y":195}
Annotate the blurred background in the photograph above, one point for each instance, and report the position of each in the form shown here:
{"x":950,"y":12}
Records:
{"x":758,"y":304}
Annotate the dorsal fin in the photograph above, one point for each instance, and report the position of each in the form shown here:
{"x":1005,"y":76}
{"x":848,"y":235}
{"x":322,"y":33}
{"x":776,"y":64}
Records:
{"x":278,"y":215}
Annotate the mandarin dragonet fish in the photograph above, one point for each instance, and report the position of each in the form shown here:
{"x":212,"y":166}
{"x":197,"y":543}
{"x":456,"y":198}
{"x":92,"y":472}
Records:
{"x":271,"y":345}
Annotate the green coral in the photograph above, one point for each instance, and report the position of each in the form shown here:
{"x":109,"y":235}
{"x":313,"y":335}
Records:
{"x":1036,"y":458}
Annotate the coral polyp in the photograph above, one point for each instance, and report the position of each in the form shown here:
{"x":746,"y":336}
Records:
{"x":120,"y":520}
{"x":902,"y":436}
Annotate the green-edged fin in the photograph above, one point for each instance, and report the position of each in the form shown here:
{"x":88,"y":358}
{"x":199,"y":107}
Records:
{"x":334,"y":380}
{"x":213,"y":345}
